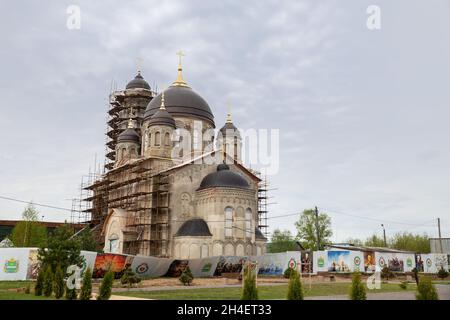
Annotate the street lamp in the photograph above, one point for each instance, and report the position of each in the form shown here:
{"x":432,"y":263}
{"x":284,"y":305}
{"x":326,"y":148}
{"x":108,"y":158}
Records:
{"x":384,"y":235}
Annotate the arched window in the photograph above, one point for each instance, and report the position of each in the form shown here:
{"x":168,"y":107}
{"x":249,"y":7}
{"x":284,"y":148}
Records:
{"x":167,"y":139}
{"x":228,"y":222}
{"x":124,"y":152}
{"x":149,"y":139}
{"x":157,"y":138}
{"x":248,"y":223}
{"x":133,"y":151}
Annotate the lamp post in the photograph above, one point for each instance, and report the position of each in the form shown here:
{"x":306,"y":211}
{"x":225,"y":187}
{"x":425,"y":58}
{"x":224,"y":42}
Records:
{"x":384,"y":235}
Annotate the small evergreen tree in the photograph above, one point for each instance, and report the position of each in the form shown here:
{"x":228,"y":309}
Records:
{"x":71,"y":294}
{"x":295,"y":289}
{"x":249,"y":292}
{"x":48,"y":282}
{"x":426,"y":290}
{"x":39,"y":286}
{"x":58,"y":283}
{"x":287,"y":273}
{"x":106,"y":286}
{"x":186,"y":277}
{"x":86,"y":287}
{"x":442,"y":273}
{"x":129,"y":278}
{"x":357,"y":289}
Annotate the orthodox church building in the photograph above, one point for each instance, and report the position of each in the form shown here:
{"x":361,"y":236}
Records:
{"x":172,"y":186}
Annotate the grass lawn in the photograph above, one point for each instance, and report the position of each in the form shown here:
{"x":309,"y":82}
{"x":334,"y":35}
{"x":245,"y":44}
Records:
{"x":7,"y":291}
{"x":265,"y":292}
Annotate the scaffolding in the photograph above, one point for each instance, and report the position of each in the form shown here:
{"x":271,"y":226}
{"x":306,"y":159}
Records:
{"x":263,"y":204}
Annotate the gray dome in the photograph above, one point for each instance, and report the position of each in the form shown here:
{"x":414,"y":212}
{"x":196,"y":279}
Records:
{"x":162,"y":118}
{"x":138,"y":83}
{"x":259,"y":235}
{"x":194,"y":228}
{"x":129,"y":135}
{"x":181,"y":101}
{"x":223,"y":177}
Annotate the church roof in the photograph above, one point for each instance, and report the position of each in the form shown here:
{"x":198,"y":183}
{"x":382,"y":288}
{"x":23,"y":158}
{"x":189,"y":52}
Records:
{"x":194,"y":228}
{"x":162,"y":118}
{"x":129,"y":135}
{"x":183,"y":102}
{"x":138,"y":83}
{"x":223,"y":177}
{"x":259,"y":234}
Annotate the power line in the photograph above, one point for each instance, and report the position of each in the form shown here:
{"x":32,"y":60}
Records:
{"x":36,"y":204}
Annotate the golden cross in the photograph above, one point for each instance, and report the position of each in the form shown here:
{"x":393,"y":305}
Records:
{"x":180,"y":54}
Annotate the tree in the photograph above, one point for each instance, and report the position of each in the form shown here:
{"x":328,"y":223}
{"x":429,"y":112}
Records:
{"x":48,"y":282}
{"x":410,"y":242}
{"x":106,"y":286}
{"x":29,"y":233}
{"x":186,"y":277}
{"x":374,"y":241}
{"x":426,"y":290}
{"x":62,"y":249}
{"x":71,"y":294}
{"x":39,"y":286}
{"x":307,"y":227}
{"x":295,"y":289}
{"x":87,"y":240}
{"x":130,"y":278}
{"x":58,"y":283}
{"x":281,"y":241}
{"x":249,"y":292}
{"x":86,"y":287}
{"x":357,"y":289}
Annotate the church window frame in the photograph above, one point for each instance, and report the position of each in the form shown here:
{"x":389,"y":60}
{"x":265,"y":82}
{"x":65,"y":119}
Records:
{"x":248,"y":223}
{"x":157,"y":138}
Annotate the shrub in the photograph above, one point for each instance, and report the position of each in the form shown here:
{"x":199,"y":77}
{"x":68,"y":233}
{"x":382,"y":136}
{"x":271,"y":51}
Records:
{"x":39,"y":286}
{"x":357,"y":289}
{"x":71,"y":294}
{"x":416,"y":275}
{"x":287,"y":273}
{"x":48,"y":282}
{"x":442,"y":273}
{"x":426,"y":290}
{"x":58,"y":283}
{"x":106,"y":286}
{"x":249,"y":292}
{"x":295,"y":289}
{"x":186,"y":277}
{"x":28,"y":289}
{"x":404,"y":285}
{"x":386,"y":273}
{"x":86,"y":287}
{"x":129,"y":278}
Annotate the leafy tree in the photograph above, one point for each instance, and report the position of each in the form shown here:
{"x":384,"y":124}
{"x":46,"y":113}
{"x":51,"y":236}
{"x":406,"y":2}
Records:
{"x":106,"y":286}
{"x":58,"y":283}
{"x":250,"y":291}
{"x":281,"y":241}
{"x":410,"y":242}
{"x":374,"y":241}
{"x":29,"y":233}
{"x":186,"y":277}
{"x":357,"y":289}
{"x":62,"y":249}
{"x":86,"y":287}
{"x":307,"y":230}
{"x":48,"y":282}
{"x":295,"y":289}
{"x":426,"y":290}
{"x":87,"y":240}
{"x":39,"y":286}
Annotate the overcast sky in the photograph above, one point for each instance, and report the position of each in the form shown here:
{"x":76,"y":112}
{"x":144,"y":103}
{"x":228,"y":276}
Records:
{"x":363,"y":114}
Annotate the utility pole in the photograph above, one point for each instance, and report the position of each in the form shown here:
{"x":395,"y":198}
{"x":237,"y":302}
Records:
{"x":384,"y":235}
{"x":440,"y":237}
{"x":317,"y":228}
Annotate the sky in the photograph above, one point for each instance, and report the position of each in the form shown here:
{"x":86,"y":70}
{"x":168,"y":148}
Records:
{"x":363,"y":114}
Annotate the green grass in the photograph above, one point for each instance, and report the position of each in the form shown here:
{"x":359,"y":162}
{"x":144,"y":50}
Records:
{"x":265,"y":292}
{"x":8,"y":291}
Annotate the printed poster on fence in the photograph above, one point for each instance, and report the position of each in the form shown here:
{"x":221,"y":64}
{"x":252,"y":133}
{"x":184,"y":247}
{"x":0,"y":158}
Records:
{"x":14,"y":263}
